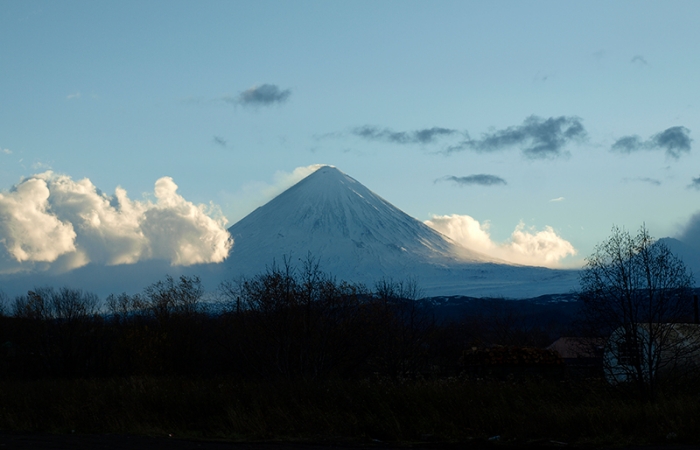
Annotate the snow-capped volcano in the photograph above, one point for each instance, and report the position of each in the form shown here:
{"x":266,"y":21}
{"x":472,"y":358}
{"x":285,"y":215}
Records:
{"x":347,"y":226}
{"x":358,"y":236}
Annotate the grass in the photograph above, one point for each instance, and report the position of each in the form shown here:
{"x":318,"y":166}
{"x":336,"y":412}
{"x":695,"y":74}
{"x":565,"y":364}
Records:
{"x":453,"y":410}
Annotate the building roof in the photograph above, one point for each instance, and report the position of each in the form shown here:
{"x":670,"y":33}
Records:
{"x":578,"y":347}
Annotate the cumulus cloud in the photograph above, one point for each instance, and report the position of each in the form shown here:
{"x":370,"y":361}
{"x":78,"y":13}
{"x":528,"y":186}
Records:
{"x":525,"y":246}
{"x":54,"y":219}
{"x":674,"y":141}
{"x":29,"y":231}
{"x":424,"y":136}
{"x":537,"y":138}
{"x":262,"y":95}
{"x":481,"y":179}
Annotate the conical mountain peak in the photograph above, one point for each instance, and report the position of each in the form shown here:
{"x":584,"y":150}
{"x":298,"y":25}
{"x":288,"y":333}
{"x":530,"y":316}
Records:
{"x":355,"y":234}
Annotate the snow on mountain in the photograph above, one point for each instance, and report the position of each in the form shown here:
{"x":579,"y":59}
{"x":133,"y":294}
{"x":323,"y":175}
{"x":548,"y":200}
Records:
{"x":360,"y":237}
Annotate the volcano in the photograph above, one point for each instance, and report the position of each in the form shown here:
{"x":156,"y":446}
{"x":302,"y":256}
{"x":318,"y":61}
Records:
{"x":357,"y":236}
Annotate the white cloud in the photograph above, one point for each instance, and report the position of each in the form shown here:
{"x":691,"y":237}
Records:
{"x":54,"y":219}
{"x":6,"y":151}
{"x":525,"y":246}
{"x":38,"y":165}
{"x":28,"y":229}
{"x":183,"y":232}
{"x":75,"y":95}
{"x":240,"y":203}
{"x":285,"y":180}
{"x":558,"y":199}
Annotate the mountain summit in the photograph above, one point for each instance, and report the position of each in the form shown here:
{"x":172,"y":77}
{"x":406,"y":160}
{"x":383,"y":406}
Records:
{"x":358,"y":236}
{"x":352,"y":230}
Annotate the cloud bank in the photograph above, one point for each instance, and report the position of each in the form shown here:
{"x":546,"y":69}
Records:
{"x":537,"y":138}
{"x":481,"y":179}
{"x":690,"y":234}
{"x":65,"y":224}
{"x":543,"y":248}
{"x":424,"y":136}
{"x":695,"y":184}
{"x":674,"y":141}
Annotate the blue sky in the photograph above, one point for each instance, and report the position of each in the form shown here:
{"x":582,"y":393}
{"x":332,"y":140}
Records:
{"x":520,"y":115}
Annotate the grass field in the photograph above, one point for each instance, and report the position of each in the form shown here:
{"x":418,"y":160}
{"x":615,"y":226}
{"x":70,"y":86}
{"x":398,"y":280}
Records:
{"x":450,"y":410}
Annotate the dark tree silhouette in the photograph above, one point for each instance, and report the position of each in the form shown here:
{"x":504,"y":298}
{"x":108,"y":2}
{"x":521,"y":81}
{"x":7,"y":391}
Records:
{"x":637,"y":292}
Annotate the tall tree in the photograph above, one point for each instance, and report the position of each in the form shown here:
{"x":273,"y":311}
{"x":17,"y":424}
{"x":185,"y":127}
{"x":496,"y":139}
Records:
{"x":635,"y":290}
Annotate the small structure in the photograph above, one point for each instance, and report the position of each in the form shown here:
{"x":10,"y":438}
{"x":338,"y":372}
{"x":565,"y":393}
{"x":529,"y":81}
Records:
{"x":582,"y":356}
{"x":502,"y":361}
{"x":645,"y":352}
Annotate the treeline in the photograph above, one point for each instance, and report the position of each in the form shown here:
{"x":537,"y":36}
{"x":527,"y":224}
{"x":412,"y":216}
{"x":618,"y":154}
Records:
{"x":286,"y":323}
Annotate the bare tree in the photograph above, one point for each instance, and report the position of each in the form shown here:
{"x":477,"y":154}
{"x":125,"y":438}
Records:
{"x":637,"y":292}
{"x":403,"y":329}
{"x":63,"y":327}
{"x":294,"y":322}
{"x":4,"y":302}
{"x":167,"y":298}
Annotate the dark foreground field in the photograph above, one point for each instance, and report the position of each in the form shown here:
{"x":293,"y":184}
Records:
{"x":432,"y":414}
{"x":119,"y":442}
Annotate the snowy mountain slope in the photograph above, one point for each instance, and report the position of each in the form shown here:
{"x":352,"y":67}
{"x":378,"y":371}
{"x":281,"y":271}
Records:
{"x":358,"y":236}
{"x":342,"y":222}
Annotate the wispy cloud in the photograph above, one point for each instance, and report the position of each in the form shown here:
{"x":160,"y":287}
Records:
{"x":652,"y":181}
{"x":558,"y":199}
{"x":424,"y":136}
{"x":481,"y":179}
{"x":192,"y":100}
{"x":6,"y":151}
{"x":537,"y":138}
{"x":73,"y":96}
{"x":640,"y":60}
{"x":218,"y":140}
{"x":39,"y":165}
{"x":261,"y":95}
{"x":674,"y":141}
